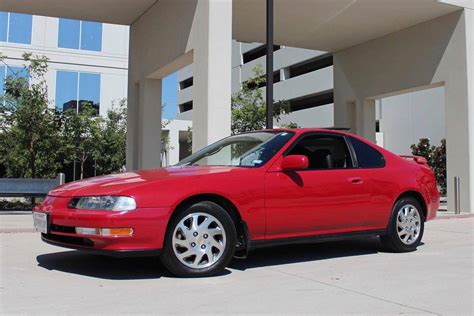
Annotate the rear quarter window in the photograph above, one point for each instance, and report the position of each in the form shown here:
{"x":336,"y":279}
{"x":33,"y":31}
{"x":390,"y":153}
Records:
{"x":367,"y":156}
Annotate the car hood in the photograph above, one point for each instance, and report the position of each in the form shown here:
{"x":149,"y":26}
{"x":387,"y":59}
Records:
{"x":116,"y":184}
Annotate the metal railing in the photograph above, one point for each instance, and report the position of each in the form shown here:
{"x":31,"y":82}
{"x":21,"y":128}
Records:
{"x":15,"y":187}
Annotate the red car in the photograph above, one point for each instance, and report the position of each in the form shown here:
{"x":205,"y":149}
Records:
{"x":246,"y":191}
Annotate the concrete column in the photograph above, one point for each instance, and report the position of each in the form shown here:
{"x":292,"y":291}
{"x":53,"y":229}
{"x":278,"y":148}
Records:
{"x":174,"y":145}
{"x":459,"y":94}
{"x":133,"y":106}
{"x":358,"y":115}
{"x":144,"y":124}
{"x":366,"y":113}
{"x":212,"y":72}
{"x":149,"y":124}
{"x":149,"y":129}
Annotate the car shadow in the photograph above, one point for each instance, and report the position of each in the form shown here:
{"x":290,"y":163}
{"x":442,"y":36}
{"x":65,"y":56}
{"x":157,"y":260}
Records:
{"x":103,"y":267}
{"x":281,"y":255}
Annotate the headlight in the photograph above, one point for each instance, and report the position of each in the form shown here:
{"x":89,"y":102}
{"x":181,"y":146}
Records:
{"x":105,"y":203}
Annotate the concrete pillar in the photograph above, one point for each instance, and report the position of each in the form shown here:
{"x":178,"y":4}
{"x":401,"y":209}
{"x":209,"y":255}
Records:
{"x":366,"y":110}
{"x":133,"y":105}
{"x":144,"y":125}
{"x":173,"y":157}
{"x":358,"y":115}
{"x":212,"y":72}
{"x":149,"y":129}
{"x":459,"y":94}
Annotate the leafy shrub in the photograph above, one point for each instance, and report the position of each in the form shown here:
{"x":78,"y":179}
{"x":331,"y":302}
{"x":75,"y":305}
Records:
{"x":436,"y":157}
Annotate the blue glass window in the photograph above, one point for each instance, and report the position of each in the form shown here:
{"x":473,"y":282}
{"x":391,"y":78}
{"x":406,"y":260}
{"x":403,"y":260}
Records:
{"x":15,"y":27}
{"x":7,"y":71}
{"x":91,"y":36}
{"x":66,"y":90}
{"x":20,"y":28}
{"x":77,"y":34}
{"x":76,"y":89}
{"x":2,"y":80}
{"x":68,"y":36}
{"x":3,"y":26}
{"x":89,"y":90}
{"x":18,"y":72}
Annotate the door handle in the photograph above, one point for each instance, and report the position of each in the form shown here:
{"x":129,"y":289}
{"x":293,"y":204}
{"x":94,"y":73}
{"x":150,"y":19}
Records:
{"x":356,"y":180}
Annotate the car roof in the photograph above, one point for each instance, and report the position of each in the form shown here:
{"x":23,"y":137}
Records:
{"x":309,"y":129}
{"x":303,"y":130}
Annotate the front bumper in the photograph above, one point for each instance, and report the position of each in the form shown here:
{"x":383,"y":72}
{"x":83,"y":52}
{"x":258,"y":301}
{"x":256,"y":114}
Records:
{"x":86,"y":244}
{"x":148,"y":224}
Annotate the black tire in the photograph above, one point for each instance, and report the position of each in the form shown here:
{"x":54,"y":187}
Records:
{"x":392,"y":241}
{"x":171,"y":261}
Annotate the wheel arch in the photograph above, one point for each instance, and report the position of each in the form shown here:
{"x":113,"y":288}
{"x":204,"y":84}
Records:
{"x":418,"y":196}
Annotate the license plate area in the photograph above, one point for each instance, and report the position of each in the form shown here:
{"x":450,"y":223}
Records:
{"x":41,"y":222}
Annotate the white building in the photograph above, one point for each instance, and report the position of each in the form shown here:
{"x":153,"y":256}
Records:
{"x":88,"y":61}
{"x":302,"y":77}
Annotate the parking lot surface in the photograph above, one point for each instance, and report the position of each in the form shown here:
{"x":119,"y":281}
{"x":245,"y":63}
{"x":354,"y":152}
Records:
{"x":352,"y":277}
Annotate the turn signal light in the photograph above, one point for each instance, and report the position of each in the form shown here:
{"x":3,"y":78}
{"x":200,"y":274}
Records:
{"x":108,"y":232}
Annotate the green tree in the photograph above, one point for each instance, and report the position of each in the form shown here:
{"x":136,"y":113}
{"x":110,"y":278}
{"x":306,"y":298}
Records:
{"x":110,"y":155}
{"x":29,"y":128}
{"x":423,"y":149}
{"x":436,"y":158}
{"x":249,"y":105}
{"x":82,"y":136}
{"x":439,"y":166}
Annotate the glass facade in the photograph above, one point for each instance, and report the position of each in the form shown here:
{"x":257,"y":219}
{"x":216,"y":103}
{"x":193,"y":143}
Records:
{"x":68,"y":34}
{"x":91,"y":36}
{"x":2,"y":80}
{"x":82,"y":35}
{"x":6,"y":71}
{"x":3,"y":26}
{"x":15,"y":27}
{"x":76,"y":89}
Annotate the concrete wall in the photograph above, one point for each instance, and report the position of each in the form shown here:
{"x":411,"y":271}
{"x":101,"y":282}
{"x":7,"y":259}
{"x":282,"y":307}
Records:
{"x":435,"y":53}
{"x":406,"y":118}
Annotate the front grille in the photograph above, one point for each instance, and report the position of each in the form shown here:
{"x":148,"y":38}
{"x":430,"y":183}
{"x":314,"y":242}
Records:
{"x":63,"y":229}
{"x":69,"y":240}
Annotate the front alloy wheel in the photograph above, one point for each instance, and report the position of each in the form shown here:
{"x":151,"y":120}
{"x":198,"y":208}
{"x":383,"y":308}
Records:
{"x":200,"y":240}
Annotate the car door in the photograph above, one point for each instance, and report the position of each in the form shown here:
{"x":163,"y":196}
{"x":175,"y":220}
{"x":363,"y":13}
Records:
{"x":330,"y":196}
{"x":372,"y":166}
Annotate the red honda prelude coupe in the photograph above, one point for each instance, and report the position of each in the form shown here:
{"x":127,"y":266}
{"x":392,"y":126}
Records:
{"x":247,"y":191}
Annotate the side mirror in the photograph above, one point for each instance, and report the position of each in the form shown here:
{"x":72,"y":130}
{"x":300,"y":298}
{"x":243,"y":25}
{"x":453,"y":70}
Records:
{"x":294,"y":163}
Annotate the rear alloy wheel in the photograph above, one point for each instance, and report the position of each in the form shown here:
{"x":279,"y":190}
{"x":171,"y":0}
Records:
{"x":406,"y":226}
{"x":200,"y":241}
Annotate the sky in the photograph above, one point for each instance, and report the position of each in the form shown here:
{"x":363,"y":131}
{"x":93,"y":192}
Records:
{"x":169,"y":96}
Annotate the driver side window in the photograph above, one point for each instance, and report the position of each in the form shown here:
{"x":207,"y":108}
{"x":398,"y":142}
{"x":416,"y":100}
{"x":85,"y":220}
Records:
{"x":324,"y":152}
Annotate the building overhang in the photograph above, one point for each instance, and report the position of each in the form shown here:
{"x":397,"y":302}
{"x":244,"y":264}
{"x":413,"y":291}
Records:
{"x":108,"y":11}
{"x":328,"y":25}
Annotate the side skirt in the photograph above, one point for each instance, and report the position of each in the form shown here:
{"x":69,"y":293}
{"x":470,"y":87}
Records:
{"x":254,"y":244}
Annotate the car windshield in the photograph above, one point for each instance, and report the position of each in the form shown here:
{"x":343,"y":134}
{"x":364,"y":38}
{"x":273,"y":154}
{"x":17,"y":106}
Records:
{"x":243,"y":150}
